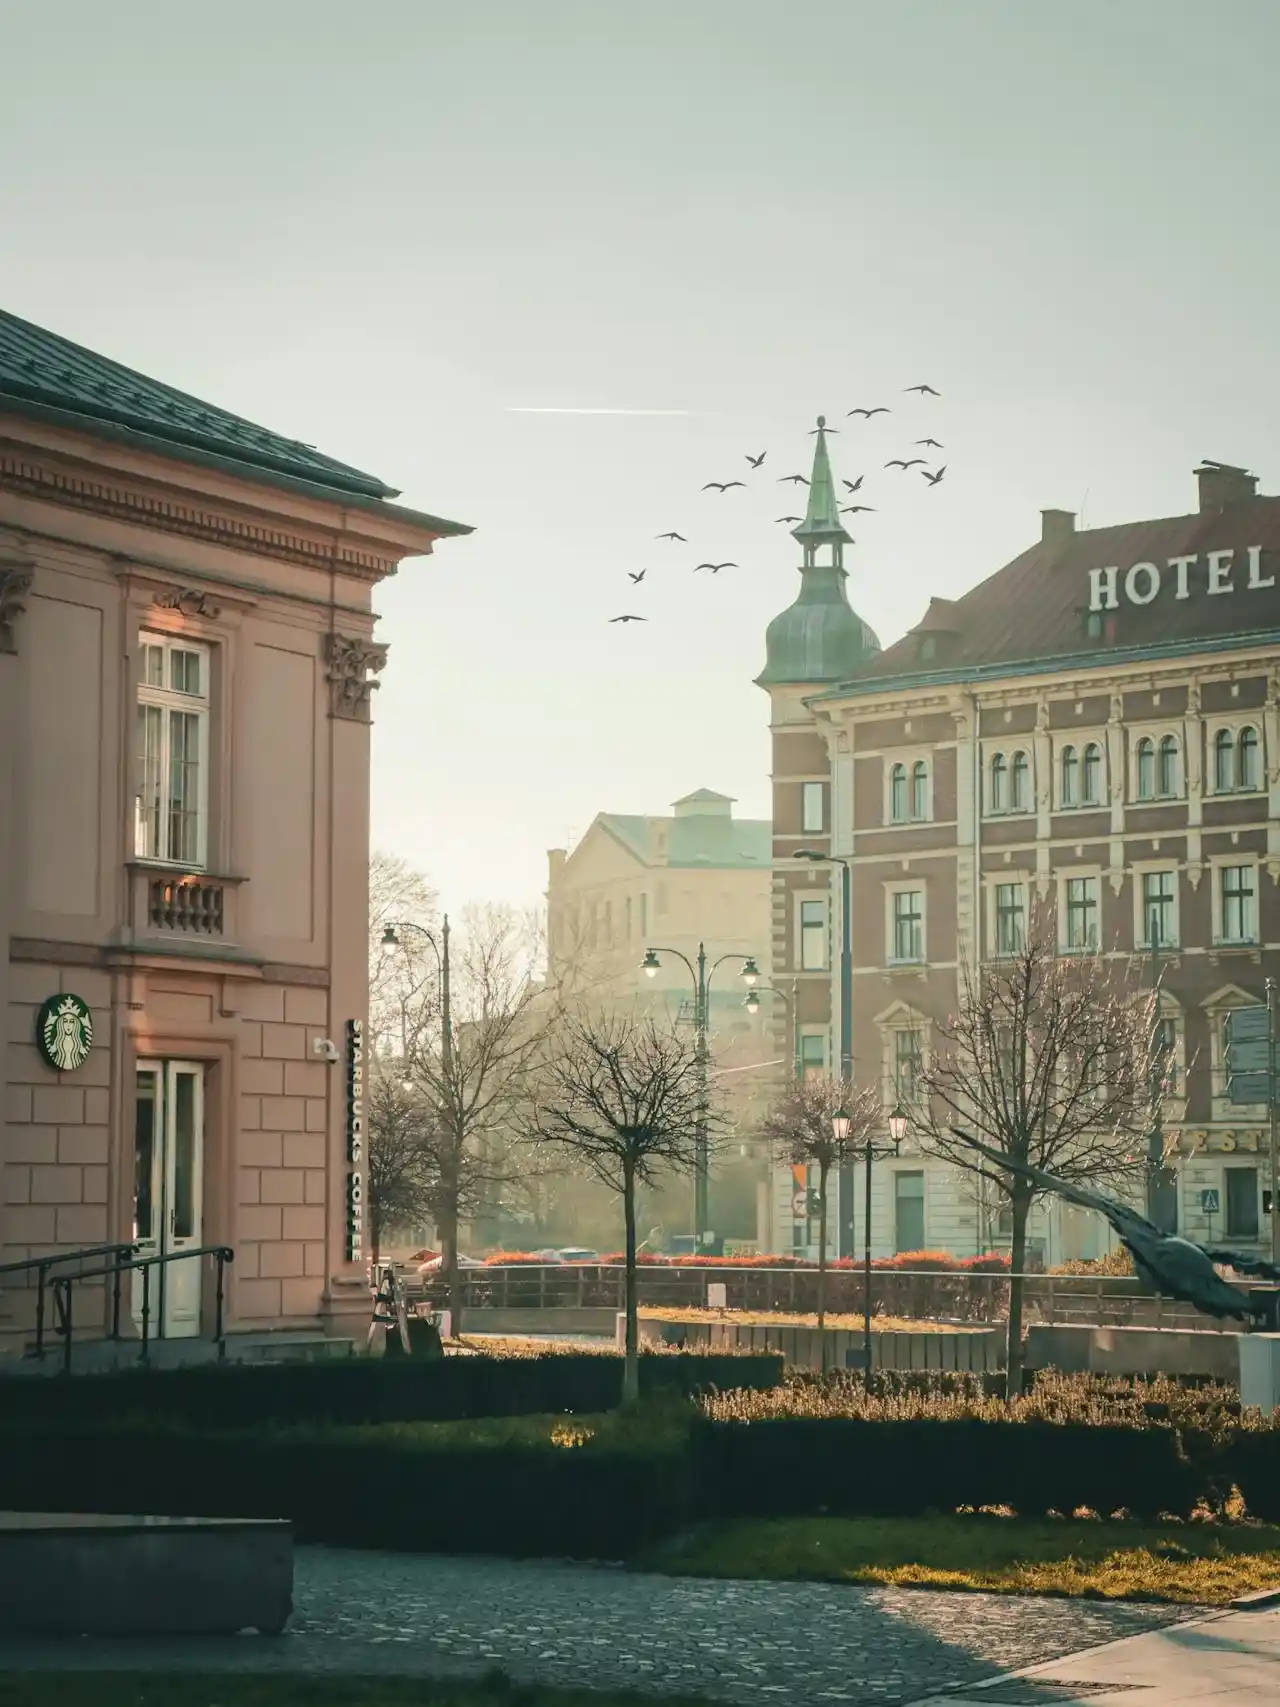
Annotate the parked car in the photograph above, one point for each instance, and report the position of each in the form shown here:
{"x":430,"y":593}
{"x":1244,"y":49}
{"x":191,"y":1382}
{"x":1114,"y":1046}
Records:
{"x":577,"y":1253}
{"x":432,"y":1264}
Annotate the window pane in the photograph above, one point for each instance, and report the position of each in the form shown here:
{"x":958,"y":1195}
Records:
{"x":1168,"y":766}
{"x":898,"y":793}
{"x":906,"y":1062}
{"x":144,"y":1153}
{"x":1146,"y":770}
{"x":812,"y":814}
{"x":184,"y":784}
{"x":1082,"y":912}
{"x":152,"y":666}
{"x":1009,"y":918}
{"x":1242,"y":1202}
{"x":1070,"y":767}
{"x":908,"y":1211}
{"x":1238,"y":914}
{"x":999,"y":774}
{"x":1157,"y":908}
{"x":1092,"y":779}
{"x":813,"y":936}
{"x":1247,"y":758}
{"x":150,"y":760}
{"x":1021,"y":791}
{"x":186,"y":1158}
{"x":1223,"y":761}
{"x":920,"y":790}
{"x":908,"y":934}
{"x":184,"y":672}
{"x":813,"y":1055}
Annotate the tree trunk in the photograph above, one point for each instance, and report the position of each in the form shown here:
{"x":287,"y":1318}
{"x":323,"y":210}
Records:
{"x":631,"y":1365}
{"x":1020,"y":1203}
{"x":824,"y":1169}
{"x":449,"y":1244}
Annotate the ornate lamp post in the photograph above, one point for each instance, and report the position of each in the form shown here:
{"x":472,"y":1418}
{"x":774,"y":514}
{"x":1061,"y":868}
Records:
{"x":701,"y":974}
{"x":752,"y":1005}
{"x":898,"y":1123}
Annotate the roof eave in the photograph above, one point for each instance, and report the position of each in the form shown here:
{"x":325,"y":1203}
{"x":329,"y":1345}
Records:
{"x":253,"y":472}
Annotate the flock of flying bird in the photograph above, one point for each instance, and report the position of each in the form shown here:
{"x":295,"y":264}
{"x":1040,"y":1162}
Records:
{"x":933,"y":477}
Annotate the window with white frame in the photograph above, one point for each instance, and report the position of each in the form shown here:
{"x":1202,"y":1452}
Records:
{"x":920,"y":790}
{"x":906,"y":925}
{"x":1158,"y":903}
{"x":813,"y":935}
{"x":1237,"y":760}
{"x":898,"y":794}
{"x":1010,"y":919}
{"x":1091,"y":775}
{"x":172,"y":751}
{"x":1236,"y":903}
{"x":1157,"y":770}
{"x":1008,"y":783}
{"x":1080,"y":775}
{"x":908,"y":792}
{"x":1068,"y":777}
{"x":1080,"y":913}
{"x":908,"y":1057}
{"x":813,"y":807}
{"x":813,"y":1054}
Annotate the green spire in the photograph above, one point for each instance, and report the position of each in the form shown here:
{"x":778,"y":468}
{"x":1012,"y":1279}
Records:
{"x":822,"y":523}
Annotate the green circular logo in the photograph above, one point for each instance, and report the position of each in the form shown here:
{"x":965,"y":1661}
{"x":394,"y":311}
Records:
{"x":64,"y":1032}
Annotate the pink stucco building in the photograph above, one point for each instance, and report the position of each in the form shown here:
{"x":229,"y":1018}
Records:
{"x":187,"y":665}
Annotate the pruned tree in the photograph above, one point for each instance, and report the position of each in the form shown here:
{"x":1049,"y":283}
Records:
{"x":1048,"y":1060}
{"x":401,"y":1152}
{"x":627,"y":1098}
{"x":802,"y":1129}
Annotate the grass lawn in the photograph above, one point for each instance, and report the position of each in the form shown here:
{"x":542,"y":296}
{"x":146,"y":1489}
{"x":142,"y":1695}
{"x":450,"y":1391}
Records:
{"x":1201,"y":1563}
{"x":791,"y":1319}
{"x":131,"y":1689}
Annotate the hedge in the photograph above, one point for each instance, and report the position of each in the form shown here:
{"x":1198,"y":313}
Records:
{"x":380,"y":1390}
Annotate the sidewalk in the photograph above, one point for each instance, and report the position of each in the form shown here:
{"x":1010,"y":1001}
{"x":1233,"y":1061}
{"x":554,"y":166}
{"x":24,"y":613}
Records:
{"x":1226,"y":1659}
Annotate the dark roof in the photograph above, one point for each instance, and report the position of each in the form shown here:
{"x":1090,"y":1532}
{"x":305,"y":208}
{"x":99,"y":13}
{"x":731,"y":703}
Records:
{"x":1035,"y":609}
{"x":51,"y":378}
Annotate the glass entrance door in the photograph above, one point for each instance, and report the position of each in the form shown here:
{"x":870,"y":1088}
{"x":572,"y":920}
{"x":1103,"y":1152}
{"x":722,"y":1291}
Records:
{"x":168,"y":1181}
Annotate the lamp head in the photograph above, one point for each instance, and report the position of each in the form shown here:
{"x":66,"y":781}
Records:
{"x":750,"y":971}
{"x":389,"y":937}
{"x":807,"y":853}
{"x":650,"y":964}
{"x":840,"y":1124}
{"x":752,"y":1003}
{"x":899,"y":1121}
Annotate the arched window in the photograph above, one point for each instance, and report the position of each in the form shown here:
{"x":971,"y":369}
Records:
{"x":1069,"y":792}
{"x":898,"y":793}
{"x":1091,"y":775}
{"x":999,"y":780}
{"x":1146,"y":768}
{"x":920,"y":789}
{"x":1021,"y":791}
{"x":1224,"y":767}
{"x":1247,"y":757}
{"x":1167,"y":775}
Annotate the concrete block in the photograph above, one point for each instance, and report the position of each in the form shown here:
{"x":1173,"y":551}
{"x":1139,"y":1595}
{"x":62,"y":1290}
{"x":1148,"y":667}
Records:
{"x":1260,"y":1371}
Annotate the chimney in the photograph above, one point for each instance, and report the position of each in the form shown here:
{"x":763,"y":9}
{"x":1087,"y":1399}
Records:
{"x":1057,"y":527}
{"x":1221,"y":485}
{"x":555,"y":863}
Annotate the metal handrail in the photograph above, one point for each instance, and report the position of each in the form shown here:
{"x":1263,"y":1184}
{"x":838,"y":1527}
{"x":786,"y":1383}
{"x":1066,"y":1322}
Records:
{"x":41,"y":1266}
{"x":62,"y":1284}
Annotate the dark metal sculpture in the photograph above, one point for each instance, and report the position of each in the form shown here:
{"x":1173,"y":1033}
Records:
{"x":1175,"y":1267}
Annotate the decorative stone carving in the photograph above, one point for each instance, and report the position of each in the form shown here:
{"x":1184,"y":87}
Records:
{"x":189,"y":600}
{"x":351,"y":661}
{"x":15,"y":584}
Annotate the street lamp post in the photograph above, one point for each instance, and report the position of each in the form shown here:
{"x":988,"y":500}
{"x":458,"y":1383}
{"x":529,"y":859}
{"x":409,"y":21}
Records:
{"x":1162,"y":1202}
{"x":701,"y":975}
{"x":898,"y":1123}
{"x":752,"y":1005}
{"x":846,"y":1241}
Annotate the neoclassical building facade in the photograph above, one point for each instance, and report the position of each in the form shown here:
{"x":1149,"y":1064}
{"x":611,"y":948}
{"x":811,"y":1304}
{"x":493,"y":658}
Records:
{"x":1097,"y":725}
{"x":187,"y":665}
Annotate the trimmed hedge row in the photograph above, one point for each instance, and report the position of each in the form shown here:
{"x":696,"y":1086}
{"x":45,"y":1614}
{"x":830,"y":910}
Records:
{"x":381,"y":1390}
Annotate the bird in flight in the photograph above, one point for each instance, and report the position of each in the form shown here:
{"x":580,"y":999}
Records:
{"x":882,"y":410}
{"x":933,"y":479}
{"x":720,"y":485}
{"x":922,"y":389}
{"x":852,"y":509}
{"x":795,"y":479}
{"x":628,"y":619}
{"x":898,"y":462}
{"x":932,"y":444}
{"x":672,"y":535}
{"x":853,"y":485}
{"x":637,"y":577}
{"x":715,"y":568}
{"x":788,"y":518}
{"x":755,"y":461}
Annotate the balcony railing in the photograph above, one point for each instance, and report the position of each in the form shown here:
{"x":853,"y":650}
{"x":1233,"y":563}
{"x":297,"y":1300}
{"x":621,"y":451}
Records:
{"x":174,"y":905}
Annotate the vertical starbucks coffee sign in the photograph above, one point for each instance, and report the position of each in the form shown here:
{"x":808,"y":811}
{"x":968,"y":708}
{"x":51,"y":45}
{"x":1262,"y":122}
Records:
{"x":355,"y":1140}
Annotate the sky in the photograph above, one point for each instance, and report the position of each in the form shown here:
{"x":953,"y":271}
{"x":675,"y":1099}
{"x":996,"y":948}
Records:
{"x":391,"y":228}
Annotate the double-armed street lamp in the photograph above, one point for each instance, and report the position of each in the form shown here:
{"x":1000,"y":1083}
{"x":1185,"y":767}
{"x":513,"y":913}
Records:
{"x":752,"y":1005}
{"x":701,"y":974}
{"x":898,"y":1123}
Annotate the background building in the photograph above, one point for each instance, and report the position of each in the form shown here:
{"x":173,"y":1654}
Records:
{"x":1096,"y":725}
{"x":186,"y":669}
{"x":701,"y":875}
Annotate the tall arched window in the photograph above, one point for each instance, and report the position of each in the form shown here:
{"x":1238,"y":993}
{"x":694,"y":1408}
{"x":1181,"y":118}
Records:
{"x":1167,"y":775}
{"x":898,"y":793}
{"x":1146,"y":768}
{"x":1091,"y":775}
{"x":1069,"y":789}
{"x":1224,"y":767}
{"x":1247,"y":757}
{"x":920,"y":789}
{"x":999,"y":784}
{"x":1021,"y":791}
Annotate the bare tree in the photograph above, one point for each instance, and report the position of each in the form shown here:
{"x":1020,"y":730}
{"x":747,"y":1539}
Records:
{"x":1048,"y":1061}
{"x":627,"y":1097}
{"x":401,"y":1156}
{"x":802,"y":1130}
{"x":404,"y":991}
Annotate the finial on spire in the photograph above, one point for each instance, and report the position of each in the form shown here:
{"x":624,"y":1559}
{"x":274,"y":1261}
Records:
{"x":822,"y":421}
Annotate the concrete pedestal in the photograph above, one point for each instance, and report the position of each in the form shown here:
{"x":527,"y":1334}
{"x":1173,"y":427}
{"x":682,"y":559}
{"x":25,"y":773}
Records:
{"x":66,"y":1574}
{"x":1260,"y":1371}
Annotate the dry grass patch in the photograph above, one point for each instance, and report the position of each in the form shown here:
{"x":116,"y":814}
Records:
{"x":1199,"y":1563}
{"x":789,"y":1319}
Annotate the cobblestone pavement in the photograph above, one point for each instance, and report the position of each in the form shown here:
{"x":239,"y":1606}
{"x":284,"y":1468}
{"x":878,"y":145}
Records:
{"x":602,"y":1627}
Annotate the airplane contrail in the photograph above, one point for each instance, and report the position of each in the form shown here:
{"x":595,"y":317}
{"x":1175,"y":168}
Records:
{"x":539,"y":409}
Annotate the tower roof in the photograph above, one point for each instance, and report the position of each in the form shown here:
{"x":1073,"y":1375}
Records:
{"x":822,"y":514}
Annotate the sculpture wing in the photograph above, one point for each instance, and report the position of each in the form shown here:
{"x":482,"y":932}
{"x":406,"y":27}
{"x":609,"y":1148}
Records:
{"x":1126,"y":1221}
{"x":1244,"y":1264}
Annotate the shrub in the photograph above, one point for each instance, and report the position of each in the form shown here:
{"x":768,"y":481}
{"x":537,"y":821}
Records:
{"x":1254,"y":1464}
{"x":385,"y":1390}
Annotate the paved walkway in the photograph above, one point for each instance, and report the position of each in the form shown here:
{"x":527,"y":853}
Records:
{"x":1227,"y":1660}
{"x":601,"y":1627}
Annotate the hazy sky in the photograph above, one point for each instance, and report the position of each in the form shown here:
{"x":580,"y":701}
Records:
{"x":382,"y":227}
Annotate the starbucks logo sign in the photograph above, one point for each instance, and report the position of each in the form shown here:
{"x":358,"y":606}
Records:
{"x":64,"y":1032}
